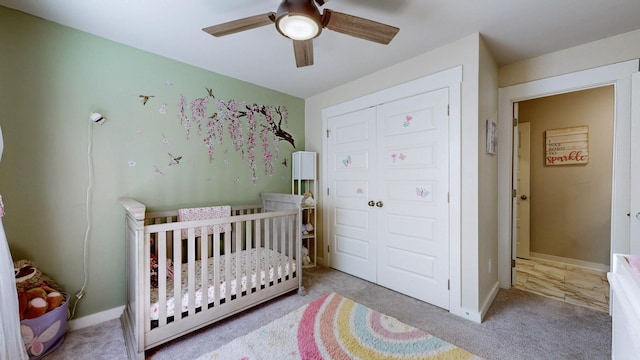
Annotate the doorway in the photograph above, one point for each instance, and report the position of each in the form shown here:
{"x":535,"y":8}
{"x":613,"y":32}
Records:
{"x":618,"y":75}
{"x":563,"y":207}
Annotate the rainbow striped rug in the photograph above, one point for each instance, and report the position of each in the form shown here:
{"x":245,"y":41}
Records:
{"x":334,"y":327}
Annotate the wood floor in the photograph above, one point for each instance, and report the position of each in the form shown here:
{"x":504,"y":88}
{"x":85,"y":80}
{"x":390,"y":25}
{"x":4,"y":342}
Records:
{"x":572,"y":284}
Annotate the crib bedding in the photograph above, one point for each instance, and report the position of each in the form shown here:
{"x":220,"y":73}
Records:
{"x":267,"y":257}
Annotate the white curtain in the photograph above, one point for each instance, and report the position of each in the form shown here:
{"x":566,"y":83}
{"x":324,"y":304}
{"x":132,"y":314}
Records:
{"x":11,"y":345}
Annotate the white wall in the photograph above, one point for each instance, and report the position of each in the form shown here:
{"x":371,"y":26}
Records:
{"x":463,"y":52}
{"x":607,"y":51}
{"x":487,"y":182}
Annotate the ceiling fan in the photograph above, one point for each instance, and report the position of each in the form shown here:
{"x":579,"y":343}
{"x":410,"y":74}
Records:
{"x":301,"y":21}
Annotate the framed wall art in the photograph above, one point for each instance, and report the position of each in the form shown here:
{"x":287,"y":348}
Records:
{"x":567,"y":146}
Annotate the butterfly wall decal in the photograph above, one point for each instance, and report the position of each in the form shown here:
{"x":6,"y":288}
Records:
{"x":422,"y":192}
{"x":347,"y":161}
{"x":210,"y":92}
{"x":284,"y":162}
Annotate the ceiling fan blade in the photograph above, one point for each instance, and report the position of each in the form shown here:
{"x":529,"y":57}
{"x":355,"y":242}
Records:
{"x":303,"y":51}
{"x":358,"y":27}
{"x":235,"y":26}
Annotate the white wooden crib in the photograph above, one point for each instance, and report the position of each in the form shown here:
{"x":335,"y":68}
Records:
{"x":253,"y":255}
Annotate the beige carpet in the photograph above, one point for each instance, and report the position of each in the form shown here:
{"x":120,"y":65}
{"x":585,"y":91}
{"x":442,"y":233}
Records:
{"x":519,"y":325}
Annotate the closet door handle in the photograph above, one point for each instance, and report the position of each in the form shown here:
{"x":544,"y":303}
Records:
{"x":379,"y":204}
{"x":371,"y":203}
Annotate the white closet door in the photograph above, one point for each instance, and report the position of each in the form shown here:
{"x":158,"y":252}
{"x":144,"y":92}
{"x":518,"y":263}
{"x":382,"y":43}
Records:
{"x":351,"y":179}
{"x":413,"y":209}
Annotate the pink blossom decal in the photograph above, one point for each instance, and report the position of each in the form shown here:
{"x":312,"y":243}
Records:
{"x":245,"y":126}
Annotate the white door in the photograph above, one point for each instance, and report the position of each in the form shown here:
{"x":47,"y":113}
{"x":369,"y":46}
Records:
{"x":523,"y":190}
{"x":388,"y":179}
{"x":412,"y":199}
{"x":351,"y":178}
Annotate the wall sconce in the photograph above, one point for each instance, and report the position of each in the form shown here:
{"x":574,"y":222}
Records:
{"x":97,"y":118}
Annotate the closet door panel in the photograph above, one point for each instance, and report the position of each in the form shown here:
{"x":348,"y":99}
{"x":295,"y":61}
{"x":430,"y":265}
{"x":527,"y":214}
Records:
{"x":413,"y":239}
{"x":351,"y":181}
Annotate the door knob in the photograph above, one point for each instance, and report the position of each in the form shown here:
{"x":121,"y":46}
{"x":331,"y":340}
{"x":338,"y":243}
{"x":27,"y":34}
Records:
{"x":379,"y":204}
{"x":523,"y":197}
{"x":371,"y":203}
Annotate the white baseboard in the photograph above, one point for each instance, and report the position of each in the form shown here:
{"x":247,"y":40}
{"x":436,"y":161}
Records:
{"x":489,"y":300}
{"x":477,"y":316}
{"x":95,"y":319}
{"x":575,"y":262}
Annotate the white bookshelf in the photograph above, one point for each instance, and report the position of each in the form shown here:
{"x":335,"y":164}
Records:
{"x":304,"y":180}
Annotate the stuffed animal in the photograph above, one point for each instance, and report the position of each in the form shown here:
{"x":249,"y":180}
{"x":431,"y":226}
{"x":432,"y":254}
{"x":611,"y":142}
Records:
{"x":37,"y":301}
{"x":308,"y":200}
{"x":37,"y":292}
{"x":306,"y":260}
{"x":28,"y":276}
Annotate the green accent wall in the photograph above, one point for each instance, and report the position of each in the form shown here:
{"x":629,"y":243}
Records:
{"x":51,"y":79}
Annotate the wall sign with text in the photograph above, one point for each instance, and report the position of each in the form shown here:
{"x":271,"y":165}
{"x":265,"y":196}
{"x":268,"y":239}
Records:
{"x":567,"y":146}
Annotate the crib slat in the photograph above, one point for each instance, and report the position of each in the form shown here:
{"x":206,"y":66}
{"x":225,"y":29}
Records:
{"x":204,"y":268}
{"x":238,"y":260}
{"x":258,"y":241}
{"x":248,"y":247}
{"x":177,"y":275}
{"x":216,"y":267}
{"x":267,"y":247}
{"x":227,"y":266}
{"x":191,"y":270}
{"x":293,"y":229}
{"x":161,"y":248}
{"x":276,"y":243}
{"x":283,"y":222}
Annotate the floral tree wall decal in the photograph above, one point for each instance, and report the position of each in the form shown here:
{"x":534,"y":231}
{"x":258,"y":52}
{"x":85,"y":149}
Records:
{"x":248,"y":126}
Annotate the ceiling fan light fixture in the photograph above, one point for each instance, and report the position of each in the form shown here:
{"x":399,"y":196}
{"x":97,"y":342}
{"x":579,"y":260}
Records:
{"x":298,"y":26}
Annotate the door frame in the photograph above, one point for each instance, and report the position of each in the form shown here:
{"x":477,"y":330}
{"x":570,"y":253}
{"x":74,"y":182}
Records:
{"x":618,"y":75}
{"x":634,"y":246}
{"x":451,"y":79}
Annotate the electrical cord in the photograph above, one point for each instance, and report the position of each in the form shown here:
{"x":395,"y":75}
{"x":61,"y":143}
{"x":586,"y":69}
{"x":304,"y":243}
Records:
{"x":81,"y":292}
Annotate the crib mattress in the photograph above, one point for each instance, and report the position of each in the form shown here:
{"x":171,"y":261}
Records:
{"x":266,"y":276}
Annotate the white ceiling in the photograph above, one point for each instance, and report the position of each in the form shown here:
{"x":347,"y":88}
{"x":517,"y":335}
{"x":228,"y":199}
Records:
{"x":513,"y":30}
